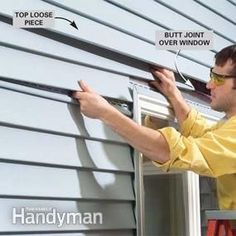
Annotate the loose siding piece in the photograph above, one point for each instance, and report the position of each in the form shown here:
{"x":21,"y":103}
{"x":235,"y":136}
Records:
{"x":47,"y":71}
{"x":112,"y":39}
{"x":37,"y":44}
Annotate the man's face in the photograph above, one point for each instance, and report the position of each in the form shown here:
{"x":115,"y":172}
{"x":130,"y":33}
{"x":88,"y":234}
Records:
{"x":223,"y":97}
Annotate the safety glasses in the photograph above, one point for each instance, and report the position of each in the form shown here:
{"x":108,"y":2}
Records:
{"x":219,"y":79}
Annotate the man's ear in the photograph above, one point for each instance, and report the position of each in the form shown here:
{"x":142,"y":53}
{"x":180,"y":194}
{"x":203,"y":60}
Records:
{"x":234,"y":85}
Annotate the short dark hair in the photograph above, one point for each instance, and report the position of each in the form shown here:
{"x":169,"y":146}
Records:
{"x":227,"y":53}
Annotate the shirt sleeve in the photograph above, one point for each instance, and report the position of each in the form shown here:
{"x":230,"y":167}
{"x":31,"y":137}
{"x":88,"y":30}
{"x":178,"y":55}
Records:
{"x":194,"y":125}
{"x":213,"y":154}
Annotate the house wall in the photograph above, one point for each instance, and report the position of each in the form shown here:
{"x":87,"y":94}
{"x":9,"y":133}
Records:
{"x":53,"y":156}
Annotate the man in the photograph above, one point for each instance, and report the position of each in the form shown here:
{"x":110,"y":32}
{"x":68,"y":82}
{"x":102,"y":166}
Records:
{"x":206,"y":150}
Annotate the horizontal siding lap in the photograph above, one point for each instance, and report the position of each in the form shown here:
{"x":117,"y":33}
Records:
{"x":232,"y":1}
{"x":222,"y":7}
{"x":62,"y":151}
{"x":104,"y":13}
{"x":170,"y":19}
{"x":97,"y":233}
{"x":122,"y":215}
{"x":52,"y":116}
{"x":35,"y":92}
{"x":207,"y":18}
{"x":37,"y":181}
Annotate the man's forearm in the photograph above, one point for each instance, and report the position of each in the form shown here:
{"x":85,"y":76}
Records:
{"x":150,"y":142}
{"x":180,"y":106}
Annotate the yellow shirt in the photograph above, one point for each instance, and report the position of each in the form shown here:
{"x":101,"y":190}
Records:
{"x":207,"y":150}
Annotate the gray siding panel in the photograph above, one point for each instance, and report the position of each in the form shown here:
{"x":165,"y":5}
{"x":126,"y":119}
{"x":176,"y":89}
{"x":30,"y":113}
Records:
{"x":170,"y":19}
{"x":48,"y":115}
{"x":232,"y":1}
{"x":203,"y":15}
{"x":221,"y":7}
{"x":62,"y":151}
{"x":37,"y":181}
{"x":122,"y":215}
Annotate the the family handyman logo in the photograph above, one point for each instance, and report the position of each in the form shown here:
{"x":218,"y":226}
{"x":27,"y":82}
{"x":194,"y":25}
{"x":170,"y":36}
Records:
{"x":51,"y":216}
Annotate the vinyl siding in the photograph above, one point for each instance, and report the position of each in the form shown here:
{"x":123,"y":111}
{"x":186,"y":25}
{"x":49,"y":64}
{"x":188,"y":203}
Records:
{"x":50,"y":154}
